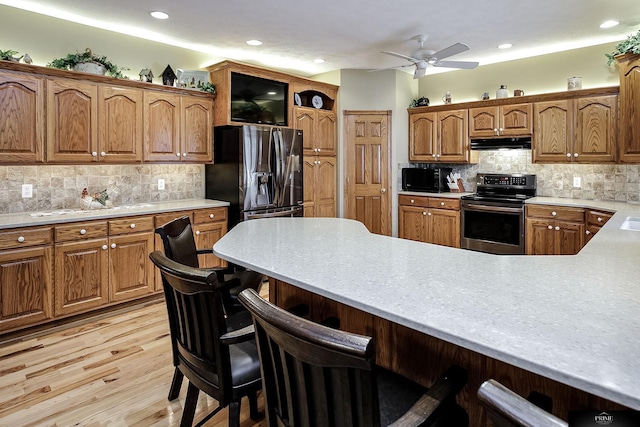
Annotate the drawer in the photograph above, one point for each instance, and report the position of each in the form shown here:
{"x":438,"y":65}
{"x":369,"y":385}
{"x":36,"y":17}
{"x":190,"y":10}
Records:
{"x":563,"y":213}
{"x":413,"y":201}
{"x":203,"y":216}
{"x":26,"y":237}
{"x":131,"y":225}
{"x":162,"y":219}
{"x":441,"y":203}
{"x":598,"y":218}
{"x":80,"y":230}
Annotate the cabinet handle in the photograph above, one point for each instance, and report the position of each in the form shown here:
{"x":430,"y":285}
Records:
{"x":198,"y":233}
{"x":412,"y":201}
{"x":83,"y":231}
{"x":94,"y":154}
{"x":550,"y":227}
{"x":177,"y":154}
{"x":104,"y":247}
{"x":434,"y":155}
{"x":495,"y":130}
{"x":113,"y":246}
{"x":557,"y":228}
{"x":569,"y":155}
{"x":184,"y":154}
{"x":587,"y":232}
{"x":437,"y":155}
{"x":553,"y":213}
{"x":133,"y":225}
{"x":102,"y":153}
{"x":21,"y":239}
{"x":441,"y":203}
{"x":575,"y":154}
{"x":211,"y":216}
{"x":429,"y":214}
{"x":501,"y":129}
{"x":424,"y":213}
{"x":599,"y":219}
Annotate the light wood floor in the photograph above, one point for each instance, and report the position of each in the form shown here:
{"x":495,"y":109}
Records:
{"x":111,"y":371}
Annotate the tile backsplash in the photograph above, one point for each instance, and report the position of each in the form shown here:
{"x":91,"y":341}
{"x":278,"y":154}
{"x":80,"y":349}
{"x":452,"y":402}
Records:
{"x":599,"y":181}
{"x":60,"y":187}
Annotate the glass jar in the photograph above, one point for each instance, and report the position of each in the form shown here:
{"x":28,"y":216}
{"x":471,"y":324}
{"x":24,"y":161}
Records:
{"x":502,"y":92}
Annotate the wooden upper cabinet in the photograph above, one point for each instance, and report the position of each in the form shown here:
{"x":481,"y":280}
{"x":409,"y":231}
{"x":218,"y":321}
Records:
{"x":161,"y":127}
{"x":580,"y":130}
{"x":120,"y":122}
{"x":439,"y":137}
{"x":72,"y":121}
{"x":21,"y":118}
{"x":629,"y":134}
{"x":505,"y":120}
{"x":318,"y":130}
{"x":196,"y":126}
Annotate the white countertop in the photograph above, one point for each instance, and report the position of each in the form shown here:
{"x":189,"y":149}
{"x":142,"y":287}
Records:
{"x":27,"y":219}
{"x":575,"y":319}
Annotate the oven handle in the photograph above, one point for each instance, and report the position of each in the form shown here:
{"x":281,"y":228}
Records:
{"x":492,"y":208}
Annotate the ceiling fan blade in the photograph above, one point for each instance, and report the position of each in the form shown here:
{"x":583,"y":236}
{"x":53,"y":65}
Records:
{"x":454,"y":49}
{"x":399,"y":55}
{"x":390,"y":68}
{"x":467,"y":65}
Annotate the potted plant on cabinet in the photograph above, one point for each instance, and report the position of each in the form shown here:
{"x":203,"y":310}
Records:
{"x":629,"y":46}
{"x":88,"y":62}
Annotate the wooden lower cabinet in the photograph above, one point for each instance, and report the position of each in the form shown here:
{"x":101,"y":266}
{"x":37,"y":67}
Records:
{"x":209,"y":225}
{"x":430,"y":220}
{"x":131,"y":272}
{"x":554,"y":230}
{"x":423,"y":358}
{"x":320,"y":174}
{"x":595,"y":220}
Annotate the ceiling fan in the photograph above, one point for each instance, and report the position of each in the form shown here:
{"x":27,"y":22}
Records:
{"x":422,"y":57}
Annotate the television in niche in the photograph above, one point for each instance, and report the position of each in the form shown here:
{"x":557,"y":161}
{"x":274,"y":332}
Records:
{"x":258,"y":100}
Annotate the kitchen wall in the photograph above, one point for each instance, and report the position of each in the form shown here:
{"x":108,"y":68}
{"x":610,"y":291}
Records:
{"x":60,"y":187}
{"x":599,"y":181}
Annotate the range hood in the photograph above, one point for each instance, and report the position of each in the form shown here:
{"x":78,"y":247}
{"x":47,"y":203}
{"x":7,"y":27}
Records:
{"x":523,"y":143}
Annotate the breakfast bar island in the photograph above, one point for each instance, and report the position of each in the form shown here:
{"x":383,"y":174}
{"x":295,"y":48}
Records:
{"x":563,"y":326}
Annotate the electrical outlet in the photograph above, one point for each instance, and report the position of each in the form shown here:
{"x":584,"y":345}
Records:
{"x":27,"y":191}
{"x":577,"y":182}
{"x":161,"y":184}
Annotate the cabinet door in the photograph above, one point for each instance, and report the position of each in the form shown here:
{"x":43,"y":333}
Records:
{"x":453,"y":136}
{"x":120,"y":121}
{"x":423,"y":136}
{"x":412,"y":223}
{"x":629,"y":72}
{"x":483,"y":122}
{"x":569,"y":237}
{"x":131,"y":273}
{"x":539,"y":237}
{"x":21,"y":118}
{"x":326,"y":133}
{"x":161,"y":127}
{"x":444,"y":227}
{"x":72,"y":121}
{"x":305,"y":120}
{"x":309,"y":178}
{"x":196,"y":129}
{"x":595,"y":129}
{"x":325,"y":187}
{"x":516,"y":120}
{"x":206,"y":235}
{"x":81,"y":276}
{"x":25,"y":287}
{"x":552,"y":140}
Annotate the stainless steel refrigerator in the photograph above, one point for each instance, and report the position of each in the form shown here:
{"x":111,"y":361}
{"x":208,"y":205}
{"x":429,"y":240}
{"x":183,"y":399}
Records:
{"x":258,"y":170}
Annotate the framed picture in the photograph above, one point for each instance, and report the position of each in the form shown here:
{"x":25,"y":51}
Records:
{"x":191,"y":78}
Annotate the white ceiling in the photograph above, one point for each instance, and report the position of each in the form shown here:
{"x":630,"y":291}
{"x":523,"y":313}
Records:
{"x":350,"y":34}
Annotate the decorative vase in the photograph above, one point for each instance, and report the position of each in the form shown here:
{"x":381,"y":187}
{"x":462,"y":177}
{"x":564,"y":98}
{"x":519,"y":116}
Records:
{"x":91,"y":67}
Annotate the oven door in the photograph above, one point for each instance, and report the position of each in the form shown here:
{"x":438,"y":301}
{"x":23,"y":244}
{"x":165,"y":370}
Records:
{"x":492,"y":227}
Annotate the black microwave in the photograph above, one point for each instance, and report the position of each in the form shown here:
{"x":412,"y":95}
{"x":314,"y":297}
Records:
{"x":426,"y":180}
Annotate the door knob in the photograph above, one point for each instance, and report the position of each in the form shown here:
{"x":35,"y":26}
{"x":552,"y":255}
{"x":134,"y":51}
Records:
{"x":383,"y":190}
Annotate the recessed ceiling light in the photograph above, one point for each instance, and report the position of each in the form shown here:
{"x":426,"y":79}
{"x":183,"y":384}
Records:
{"x":609,"y":24}
{"x":319,"y":60}
{"x":504,"y":46}
{"x":254,"y":42}
{"x":159,"y":15}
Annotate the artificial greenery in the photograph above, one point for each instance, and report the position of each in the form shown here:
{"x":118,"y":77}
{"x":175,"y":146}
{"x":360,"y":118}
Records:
{"x":207,"y":87}
{"x":7,"y":55}
{"x":630,"y":45}
{"x":69,"y":61}
{"x":419,"y":102}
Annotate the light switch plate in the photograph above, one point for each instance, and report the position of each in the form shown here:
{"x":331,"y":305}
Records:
{"x":161,"y":184}
{"x":27,"y":191}
{"x":577,"y":182}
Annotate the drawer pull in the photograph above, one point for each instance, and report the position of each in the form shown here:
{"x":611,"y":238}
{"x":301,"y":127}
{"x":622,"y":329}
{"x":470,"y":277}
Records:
{"x":424,"y":213}
{"x":412,"y":201}
{"x":550,"y":227}
{"x":198,"y":233}
{"x":557,"y":228}
{"x":553,"y":213}
{"x":133,"y":225}
{"x":21,"y":239}
{"x":587,"y":232}
{"x":599,"y":219}
{"x":211,"y":216}
{"x":113,"y":246}
{"x":441,"y":203}
{"x":104,"y":247}
{"x":83,"y":231}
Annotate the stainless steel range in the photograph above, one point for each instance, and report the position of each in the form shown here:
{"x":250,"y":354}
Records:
{"x":492,"y":219}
